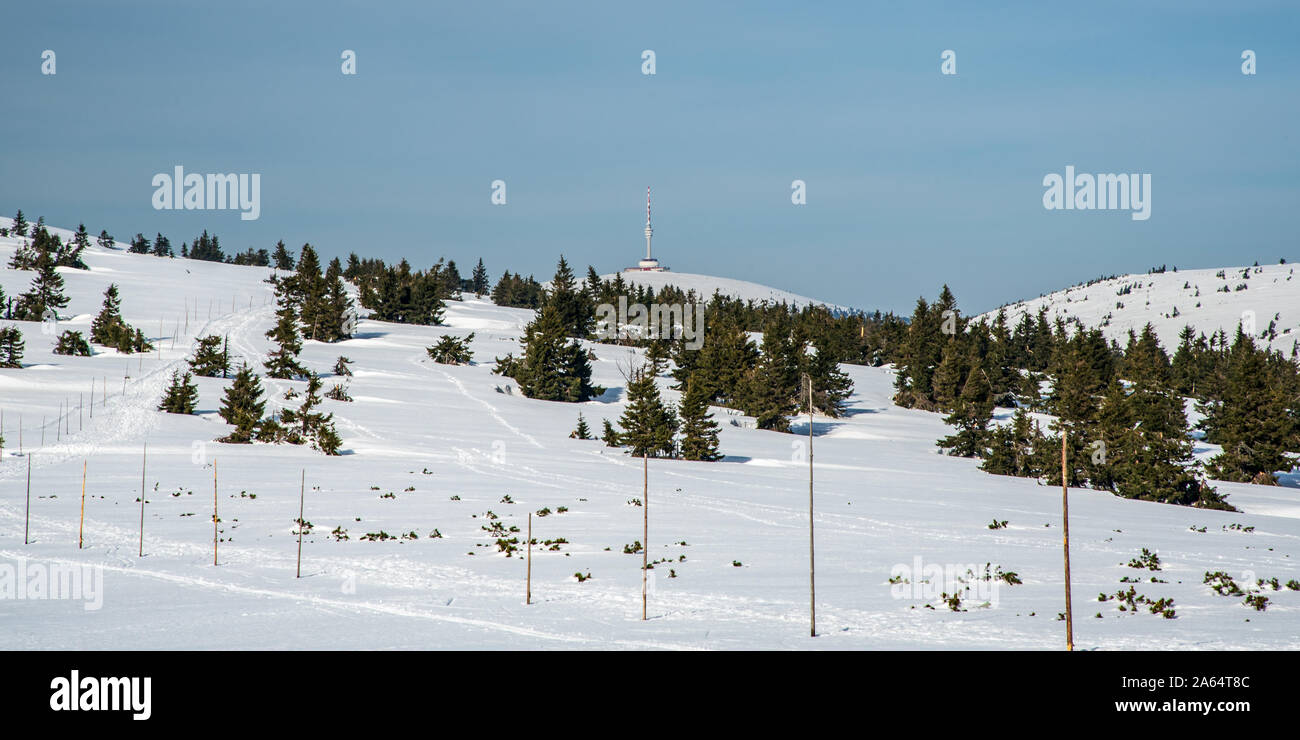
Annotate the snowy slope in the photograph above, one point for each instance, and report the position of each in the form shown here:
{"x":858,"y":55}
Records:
{"x":451,"y":443}
{"x":705,"y":285}
{"x":1172,"y":300}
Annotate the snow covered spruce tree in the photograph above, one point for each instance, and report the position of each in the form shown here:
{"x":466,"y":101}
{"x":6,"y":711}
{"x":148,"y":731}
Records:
{"x":181,"y":396}
{"x":648,"y":425}
{"x":243,"y":406}
{"x":699,"y":430}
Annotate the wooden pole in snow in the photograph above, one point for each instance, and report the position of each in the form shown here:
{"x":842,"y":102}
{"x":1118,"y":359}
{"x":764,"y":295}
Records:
{"x":1065,"y":516}
{"x":81,"y":529}
{"x":528,"y":588}
{"x":214,"y":512}
{"x":302,"y":493}
{"x":144,"y":454}
{"x":812,"y":571}
{"x":27,"y":515}
{"x":645,"y":524}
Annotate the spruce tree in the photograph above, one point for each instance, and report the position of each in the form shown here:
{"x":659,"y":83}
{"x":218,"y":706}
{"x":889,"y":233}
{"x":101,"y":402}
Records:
{"x":609,"y":435}
{"x":773,"y":386}
{"x":452,"y":351}
{"x":336,"y":306}
{"x":45,"y":293}
{"x":19,"y":228}
{"x":243,"y":406}
{"x":582,"y":431}
{"x":648,"y":426}
{"x":162,"y":246}
{"x":1011,"y":448}
{"x":1251,"y":419}
{"x":553,"y":367}
{"x":831,"y":386}
{"x":699,"y":430}
{"x":72,"y":343}
{"x":181,"y":396}
{"x":571,"y":306}
{"x":11,"y":347}
{"x":309,"y":291}
{"x":210,"y":357}
{"x":107,"y":325}
{"x":282,"y":361}
{"x":307,"y":425}
{"x":480,"y":279}
{"x":281,"y":258}
{"x":971,"y":414}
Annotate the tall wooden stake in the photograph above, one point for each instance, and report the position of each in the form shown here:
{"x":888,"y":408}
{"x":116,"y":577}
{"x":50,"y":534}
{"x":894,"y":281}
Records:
{"x":81,"y":528}
{"x":27,"y":516}
{"x":1065,"y":516}
{"x":528,"y":587}
{"x":645,"y":525}
{"x":214,"y":512}
{"x":812,"y":571}
{"x":144,"y":453}
{"x":302,"y":494}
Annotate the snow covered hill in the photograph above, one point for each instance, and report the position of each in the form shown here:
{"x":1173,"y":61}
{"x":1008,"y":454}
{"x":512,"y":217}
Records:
{"x":1170,"y":300}
{"x":705,"y":285}
{"x":442,"y":459}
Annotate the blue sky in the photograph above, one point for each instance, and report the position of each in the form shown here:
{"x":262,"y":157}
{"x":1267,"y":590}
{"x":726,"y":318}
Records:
{"x":913,"y":178}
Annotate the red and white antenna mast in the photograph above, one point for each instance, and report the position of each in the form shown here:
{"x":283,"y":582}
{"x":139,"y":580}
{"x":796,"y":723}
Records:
{"x":648,"y":230}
